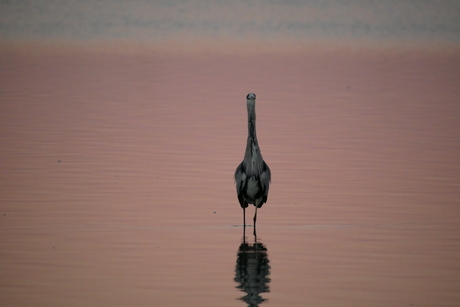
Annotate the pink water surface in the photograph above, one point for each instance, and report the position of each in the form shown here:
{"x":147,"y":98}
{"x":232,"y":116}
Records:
{"x":116,"y":183}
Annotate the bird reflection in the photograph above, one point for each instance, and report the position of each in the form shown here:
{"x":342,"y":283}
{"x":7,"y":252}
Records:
{"x":252,"y":271}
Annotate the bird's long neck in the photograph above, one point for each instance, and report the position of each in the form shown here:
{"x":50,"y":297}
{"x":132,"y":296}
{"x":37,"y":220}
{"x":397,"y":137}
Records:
{"x":252,"y":146}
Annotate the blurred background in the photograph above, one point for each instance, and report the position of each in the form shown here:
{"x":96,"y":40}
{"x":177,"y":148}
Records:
{"x":252,"y":25}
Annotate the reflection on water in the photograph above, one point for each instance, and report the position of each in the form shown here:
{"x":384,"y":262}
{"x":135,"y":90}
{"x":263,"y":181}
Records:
{"x":252,"y":271}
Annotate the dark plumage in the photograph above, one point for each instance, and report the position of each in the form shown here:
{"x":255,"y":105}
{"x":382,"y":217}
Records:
{"x":253,"y":175}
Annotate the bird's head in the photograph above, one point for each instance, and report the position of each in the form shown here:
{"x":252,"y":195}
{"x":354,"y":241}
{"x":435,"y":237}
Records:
{"x":251,"y":102}
{"x":251,"y":96}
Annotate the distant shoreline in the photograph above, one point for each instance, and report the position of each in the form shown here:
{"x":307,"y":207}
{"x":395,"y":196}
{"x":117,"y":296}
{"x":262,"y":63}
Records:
{"x":224,"y":47}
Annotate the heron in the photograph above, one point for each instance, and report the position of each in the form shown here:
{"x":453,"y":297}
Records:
{"x":252,"y":176}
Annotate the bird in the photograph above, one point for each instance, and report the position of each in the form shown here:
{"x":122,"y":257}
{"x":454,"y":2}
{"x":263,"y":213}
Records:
{"x":252,"y":176}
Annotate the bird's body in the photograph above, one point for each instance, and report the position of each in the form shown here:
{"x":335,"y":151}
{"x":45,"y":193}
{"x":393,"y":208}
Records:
{"x":252,"y":176}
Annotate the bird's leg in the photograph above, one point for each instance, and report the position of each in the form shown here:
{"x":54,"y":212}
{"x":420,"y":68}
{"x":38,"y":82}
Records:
{"x":244,"y":224}
{"x":255,"y":218}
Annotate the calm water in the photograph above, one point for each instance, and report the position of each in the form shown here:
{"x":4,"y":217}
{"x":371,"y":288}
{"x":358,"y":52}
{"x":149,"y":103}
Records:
{"x":116,"y":182}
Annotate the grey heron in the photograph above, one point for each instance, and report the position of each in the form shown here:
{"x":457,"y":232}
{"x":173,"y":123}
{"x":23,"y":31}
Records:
{"x":252,"y":176}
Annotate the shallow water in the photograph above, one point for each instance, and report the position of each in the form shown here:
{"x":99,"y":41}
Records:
{"x":117,"y":179}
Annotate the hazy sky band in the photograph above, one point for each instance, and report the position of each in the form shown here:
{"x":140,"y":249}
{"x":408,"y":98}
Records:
{"x":151,"y":21}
